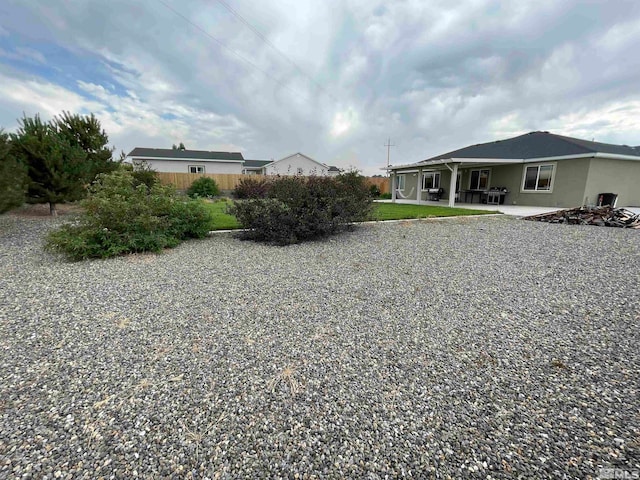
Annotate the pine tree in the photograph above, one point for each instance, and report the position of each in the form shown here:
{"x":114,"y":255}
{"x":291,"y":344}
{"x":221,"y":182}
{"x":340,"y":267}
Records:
{"x":13,"y":176}
{"x":58,"y":171}
{"x":86,"y":133}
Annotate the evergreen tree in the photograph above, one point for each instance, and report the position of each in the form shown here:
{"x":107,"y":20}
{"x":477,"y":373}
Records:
{"x":13,"y":176}
{"x":85,"y":132}
{"x":58,"y":170}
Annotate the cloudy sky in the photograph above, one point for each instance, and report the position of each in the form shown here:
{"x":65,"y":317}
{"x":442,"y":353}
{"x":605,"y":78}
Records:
{"x":332,"y":79}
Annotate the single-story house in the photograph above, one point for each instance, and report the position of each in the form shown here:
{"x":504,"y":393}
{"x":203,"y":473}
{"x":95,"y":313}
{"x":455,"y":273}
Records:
{"x":299,"y":164}
{"x":255,"y":167}
{"x":187,"y":161}
{"x":537,"y":169}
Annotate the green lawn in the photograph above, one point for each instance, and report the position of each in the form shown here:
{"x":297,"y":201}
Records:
{"x":381,"y":211}
{"x":397,"y":211}
{"x":221,"y":219}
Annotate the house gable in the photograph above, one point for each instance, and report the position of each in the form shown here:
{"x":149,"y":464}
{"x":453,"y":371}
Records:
{"x":296,"y":164}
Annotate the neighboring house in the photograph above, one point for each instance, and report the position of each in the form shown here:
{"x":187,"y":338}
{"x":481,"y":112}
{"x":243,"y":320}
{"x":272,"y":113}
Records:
{"x":255,"y":167}
{"x":188,"y":161}
{"x":333,"y":171}
{"x":298,"y":164}
{"x":537,"y":169}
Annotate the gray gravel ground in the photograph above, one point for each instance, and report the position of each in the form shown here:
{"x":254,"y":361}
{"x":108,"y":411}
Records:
{"x":460,"y":348}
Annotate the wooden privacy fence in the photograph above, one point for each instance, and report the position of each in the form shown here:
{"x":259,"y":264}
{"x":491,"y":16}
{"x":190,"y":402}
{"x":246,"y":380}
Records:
{"x":228,"y":181}
{"x":381,"y":182}
{"x":182,"y":181}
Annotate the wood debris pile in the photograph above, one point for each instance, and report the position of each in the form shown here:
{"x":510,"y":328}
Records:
{"x":602,"y":216}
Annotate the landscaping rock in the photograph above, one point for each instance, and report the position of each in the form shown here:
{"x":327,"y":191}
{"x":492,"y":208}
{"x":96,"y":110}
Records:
{"x":462,"y":348}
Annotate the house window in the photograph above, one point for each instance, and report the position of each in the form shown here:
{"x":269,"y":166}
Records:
{"x":399,"y":182}
{"x":479,"y":180}
{"x":196,"y":169}
{"x":537,"y":178}
{"x":430,"y":180}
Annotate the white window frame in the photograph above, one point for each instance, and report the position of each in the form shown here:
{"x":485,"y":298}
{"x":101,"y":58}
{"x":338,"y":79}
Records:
{"x":538,"y":165}
{"x":436,"y":176}
{"x":488,"y":170}
{"x":198,"y":168}
{"x":400,"y":181}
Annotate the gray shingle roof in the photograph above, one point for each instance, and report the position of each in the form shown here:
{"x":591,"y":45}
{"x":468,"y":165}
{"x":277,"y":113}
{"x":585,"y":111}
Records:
{"x":537,"y":145}
{"x":333,"y":168}
{"x":256,"y":163}
{"x":185,"y":154}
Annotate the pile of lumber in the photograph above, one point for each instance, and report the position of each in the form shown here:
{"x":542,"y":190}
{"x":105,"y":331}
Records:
{"x":606,"y":216}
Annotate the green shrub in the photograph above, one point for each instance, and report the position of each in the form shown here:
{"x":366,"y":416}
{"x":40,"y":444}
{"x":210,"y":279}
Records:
{"x":143,"y":174}
{"x":251,"y":188}
{"x":374,"y":190}
{"x":203,"y":187}
{"x":354,"y":191}
{"x":122,"y":216}
{"x":385,"y":196}
{"x":299,"y":209}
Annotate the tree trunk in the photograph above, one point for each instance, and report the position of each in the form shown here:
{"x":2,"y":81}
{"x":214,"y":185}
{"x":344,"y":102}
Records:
{"x":53,"y":210}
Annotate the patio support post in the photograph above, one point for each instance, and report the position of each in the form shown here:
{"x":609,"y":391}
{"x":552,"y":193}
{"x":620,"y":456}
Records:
{"x":392,"y":184}
{"x":452,"y":185}
{"x":419,"y":188}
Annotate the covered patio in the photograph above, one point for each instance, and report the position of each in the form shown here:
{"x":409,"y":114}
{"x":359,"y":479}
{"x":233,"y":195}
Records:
{"x":435,"y":179}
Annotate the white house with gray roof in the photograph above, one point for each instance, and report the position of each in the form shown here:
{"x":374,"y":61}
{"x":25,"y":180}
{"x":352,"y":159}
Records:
{"x":299,"y":164}
{"x":187,"y":161}
{"x":202,"y":161}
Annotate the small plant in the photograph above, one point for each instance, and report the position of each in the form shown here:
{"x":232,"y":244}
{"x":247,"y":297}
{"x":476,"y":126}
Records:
{"x":121,"y":216}
{"x":251,"y":188}
{"x":203,"y":187}
{"x":385,"y":196}
{"x":374,"y":190}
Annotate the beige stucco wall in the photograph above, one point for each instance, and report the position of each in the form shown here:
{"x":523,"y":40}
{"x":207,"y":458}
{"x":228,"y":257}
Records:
{"x":614,"y":176}
{"x":568,"y":185}
{"x":569,"y":181}
{"x":410,"y":184}
{"x":182,"y":166}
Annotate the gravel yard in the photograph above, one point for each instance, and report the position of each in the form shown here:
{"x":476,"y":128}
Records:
{"x":458,"y":348}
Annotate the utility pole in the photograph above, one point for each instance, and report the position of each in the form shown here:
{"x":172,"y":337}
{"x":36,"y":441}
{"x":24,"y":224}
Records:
{"x":388,"y":145}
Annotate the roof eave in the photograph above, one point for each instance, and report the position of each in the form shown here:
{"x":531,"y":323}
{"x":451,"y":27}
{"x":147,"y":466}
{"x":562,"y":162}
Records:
{"x":145,"y":157}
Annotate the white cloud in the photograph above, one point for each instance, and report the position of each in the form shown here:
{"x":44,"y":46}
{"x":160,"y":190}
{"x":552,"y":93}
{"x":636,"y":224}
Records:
{"x":433,"y":76}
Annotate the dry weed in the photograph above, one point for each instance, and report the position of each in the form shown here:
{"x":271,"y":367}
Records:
{"x":286,"y":378}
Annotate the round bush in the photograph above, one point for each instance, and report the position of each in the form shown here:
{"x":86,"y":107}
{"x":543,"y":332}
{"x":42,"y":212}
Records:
{"x":204,"y":187}
{"x":121,"y":216}
{"x":298,"y":209}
